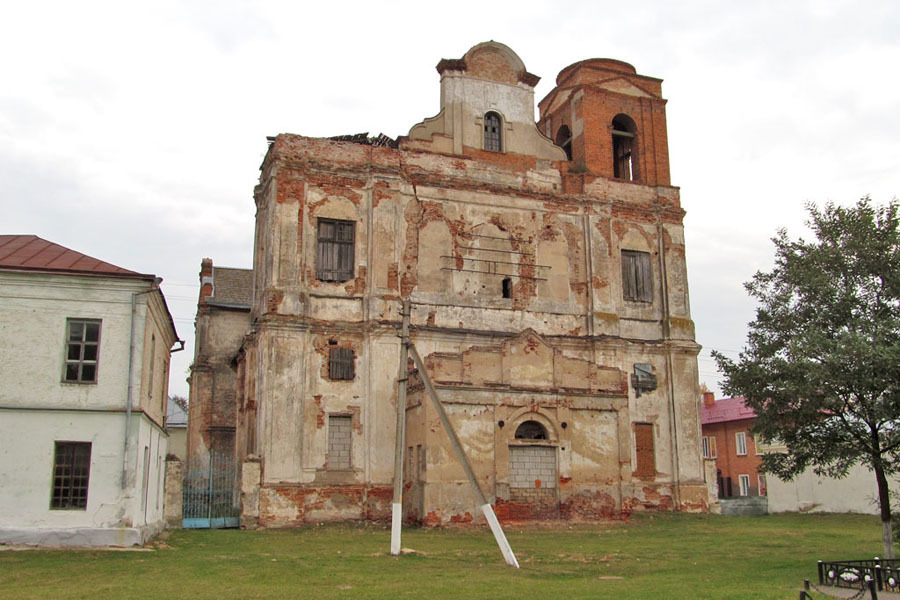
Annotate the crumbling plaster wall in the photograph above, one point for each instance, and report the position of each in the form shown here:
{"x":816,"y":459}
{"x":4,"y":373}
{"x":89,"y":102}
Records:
{"x":421,"y":219}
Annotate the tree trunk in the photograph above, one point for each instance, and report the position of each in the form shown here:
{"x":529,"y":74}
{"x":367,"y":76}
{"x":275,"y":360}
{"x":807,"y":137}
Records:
{"x":884,"y":500}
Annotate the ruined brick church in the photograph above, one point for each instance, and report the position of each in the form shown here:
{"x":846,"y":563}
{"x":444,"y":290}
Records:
{"x":545,"y":268}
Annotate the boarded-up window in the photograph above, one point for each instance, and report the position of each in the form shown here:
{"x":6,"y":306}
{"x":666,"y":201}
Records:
{"x":637,"y":284}
{"x":644,"y":450}
{"x":71,"y":472}
{"x":340,"y":429}
{"x":340,"y":363}
{"x":334,"y":261}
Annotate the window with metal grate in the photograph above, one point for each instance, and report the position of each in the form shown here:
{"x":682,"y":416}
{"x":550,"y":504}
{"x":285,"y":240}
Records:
{"x":493,"y":139}
{"x":71,"y":473}
{"x":336,"y":247}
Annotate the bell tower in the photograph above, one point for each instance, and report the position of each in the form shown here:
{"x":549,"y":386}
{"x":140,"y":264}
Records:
{"x":610,"y":121}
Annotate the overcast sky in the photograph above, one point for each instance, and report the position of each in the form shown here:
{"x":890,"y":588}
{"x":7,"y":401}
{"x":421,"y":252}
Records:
{"x":133,"y":132}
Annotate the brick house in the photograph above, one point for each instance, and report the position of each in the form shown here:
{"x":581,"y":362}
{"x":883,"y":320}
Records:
{"x":545,"y":267}
{"x":727,"y":439}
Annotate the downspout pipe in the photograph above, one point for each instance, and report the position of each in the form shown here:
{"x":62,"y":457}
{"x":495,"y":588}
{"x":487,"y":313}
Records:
{"x":129,"y":396}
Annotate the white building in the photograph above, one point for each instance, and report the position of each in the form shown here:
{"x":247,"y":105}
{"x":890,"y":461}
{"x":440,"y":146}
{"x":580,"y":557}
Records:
{"x":84,"y":370}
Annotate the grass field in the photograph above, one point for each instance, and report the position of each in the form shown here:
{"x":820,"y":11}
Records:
{"x":651,"y":556}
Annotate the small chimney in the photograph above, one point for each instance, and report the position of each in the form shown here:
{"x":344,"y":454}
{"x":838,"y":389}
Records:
{"x":709,"y":398}
{"x":206,"y":279}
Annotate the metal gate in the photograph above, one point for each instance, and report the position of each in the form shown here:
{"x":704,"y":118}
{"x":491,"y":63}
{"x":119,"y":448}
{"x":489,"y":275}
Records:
{"x":209,"y":500}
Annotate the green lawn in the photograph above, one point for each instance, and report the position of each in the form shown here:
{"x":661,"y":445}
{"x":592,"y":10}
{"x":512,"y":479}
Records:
{"x":651,"y":556}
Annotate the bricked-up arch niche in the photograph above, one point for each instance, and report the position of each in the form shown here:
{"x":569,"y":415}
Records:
{"x":531,"y":430}
{"x":564,"y":140}
{"x":492,"y":133}
{"x":624,"y":141}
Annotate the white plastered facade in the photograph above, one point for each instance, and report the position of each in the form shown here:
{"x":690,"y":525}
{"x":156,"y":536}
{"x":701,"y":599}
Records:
{"x":38,"y":408}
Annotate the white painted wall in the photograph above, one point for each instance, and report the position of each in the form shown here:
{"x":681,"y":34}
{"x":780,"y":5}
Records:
{"x":856,"y":493}
{"x":37,"y":408}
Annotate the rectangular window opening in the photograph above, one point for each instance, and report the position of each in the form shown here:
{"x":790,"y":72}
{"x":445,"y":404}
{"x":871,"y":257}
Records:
{"x":82,"y":350}
{"x":745,"y":484}
{"x":645,"y":451}
{"x":637,"y":284}
{"x":740,"y":440}
{"x":340,"y":430}
{"x":71,"y":474}
{"x":336,"y":248}
{"x":340,"y":363}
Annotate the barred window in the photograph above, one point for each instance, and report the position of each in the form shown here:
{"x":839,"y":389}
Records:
{"x":71,"y":471}
{"x":637,"y":285}
{"x":335,"y":250}
{"x":340,"y":363}
{"x":492,"y":132}
{"x":82,"y":350}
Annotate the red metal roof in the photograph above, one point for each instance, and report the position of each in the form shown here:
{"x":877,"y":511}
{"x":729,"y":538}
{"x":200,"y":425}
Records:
{"x":726,"y":409}
{"x":33,"y":253}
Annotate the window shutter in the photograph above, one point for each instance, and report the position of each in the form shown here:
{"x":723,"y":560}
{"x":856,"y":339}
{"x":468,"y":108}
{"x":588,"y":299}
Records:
{"x":644,"y":451}
{"x":646,"y":285}
{"x":340,"y":363}
{"x":628,"y":276}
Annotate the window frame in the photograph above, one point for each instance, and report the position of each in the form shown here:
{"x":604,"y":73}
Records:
{"x":740,"y":443}
{"x":637,"y":276}
{"x":341,"y":363}
{"x":709,"y":447}
{"x":762,"y":485}
{"x":744,"y":485}
{"x":65,"y":492}
{"x":624,"y":148}
{"x":492,"y":140}
{"x":337,"y":247}
{"x":81,"y":362}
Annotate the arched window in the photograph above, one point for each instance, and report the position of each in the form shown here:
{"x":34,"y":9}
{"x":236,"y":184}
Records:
{"x":492,"y":136}
{"x":624,"y":138}
{"x":564,"y":141}
{"x":531,"y":430}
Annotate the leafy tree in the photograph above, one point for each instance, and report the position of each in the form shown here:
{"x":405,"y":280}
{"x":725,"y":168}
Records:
{"x":821,"y":366}
{"x":181,"y":401}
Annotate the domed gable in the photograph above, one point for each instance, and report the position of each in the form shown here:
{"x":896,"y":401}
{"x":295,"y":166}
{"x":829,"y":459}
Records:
{"x":492,"y":61}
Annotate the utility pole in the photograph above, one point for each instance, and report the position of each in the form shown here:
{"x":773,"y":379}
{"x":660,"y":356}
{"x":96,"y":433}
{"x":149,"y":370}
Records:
{"x":402,"y":377}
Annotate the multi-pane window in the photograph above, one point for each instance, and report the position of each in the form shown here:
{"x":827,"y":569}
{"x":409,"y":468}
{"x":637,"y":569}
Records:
{"x":340,"y":429}
{"x":71,"y":471}
{"x":745,"y":484}
{"x":637,"y":285}
{"x":334,"y":261}
{"x":709,"y":447}
{"x":82,"y":350}
{"x":740,"y":442}
{"x":340,"y":363}
{"x":492,"y":136}
{"x":644,"y":450}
